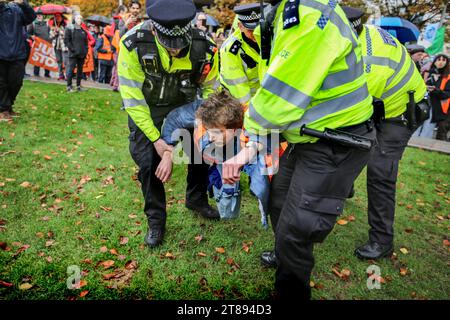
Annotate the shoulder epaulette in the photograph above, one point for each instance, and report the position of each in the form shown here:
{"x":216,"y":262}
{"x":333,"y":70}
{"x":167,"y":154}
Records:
{"x":234,"y":49}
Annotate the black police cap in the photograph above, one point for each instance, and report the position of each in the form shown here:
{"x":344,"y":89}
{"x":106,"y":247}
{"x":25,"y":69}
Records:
{"x":172,"y":21}
{"x":249,"y":14}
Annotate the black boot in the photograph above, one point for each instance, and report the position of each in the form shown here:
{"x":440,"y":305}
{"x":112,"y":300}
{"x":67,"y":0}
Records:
{"x":206,"y":211}
{"x":154,"y":236}
{"x":374,"y":251}
{"x":268,"y":259}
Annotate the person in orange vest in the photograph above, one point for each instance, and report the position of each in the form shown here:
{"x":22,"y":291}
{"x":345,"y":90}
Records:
{"x":105,"y":55}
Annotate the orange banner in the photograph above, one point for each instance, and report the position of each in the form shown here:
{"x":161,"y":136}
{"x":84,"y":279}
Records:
{"x":42,"y":55}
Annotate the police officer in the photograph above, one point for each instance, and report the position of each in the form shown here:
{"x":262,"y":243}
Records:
{"x":164,"y":64}
{"x":391,"y":74}
{"x":239,"y":55}
{"x":315,"y":78}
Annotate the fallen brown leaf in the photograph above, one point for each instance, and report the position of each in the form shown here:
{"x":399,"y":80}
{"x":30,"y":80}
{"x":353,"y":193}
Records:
{"x":123,"y":240}
{"x":220,"y":250}
{"x":107,"y":264}
{"x":84,"y":293}
{"x":342,"y":222}
{"x":5,"y":284}
{"x":25,"y":286}
{"x":201,"y":254}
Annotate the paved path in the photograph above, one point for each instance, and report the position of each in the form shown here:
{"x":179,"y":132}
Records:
{"x":85,"y":84}
{"x":421,"y":143}
{"x":430,"y":144}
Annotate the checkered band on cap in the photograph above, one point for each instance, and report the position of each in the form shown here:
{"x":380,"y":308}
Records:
{"x":253,"y":16}
{"x":176,"y":31}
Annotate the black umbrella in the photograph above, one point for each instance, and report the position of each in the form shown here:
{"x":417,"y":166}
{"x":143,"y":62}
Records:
{"x":99,"y":20}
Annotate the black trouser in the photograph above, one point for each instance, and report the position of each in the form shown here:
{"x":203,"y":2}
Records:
{"x":95,"y":72}
{"x":145,"y":156}
{"x":11,"y":80}
{"x":311,"y":186}
{"x":59,"y":54}
{"x":382,"y":172}
{"x":75,"y":63}
{"x":37,"y":71}
{"x":105,"y":72}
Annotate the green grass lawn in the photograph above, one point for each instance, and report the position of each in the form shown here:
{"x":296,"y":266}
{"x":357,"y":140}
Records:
{"x":68,"y":197}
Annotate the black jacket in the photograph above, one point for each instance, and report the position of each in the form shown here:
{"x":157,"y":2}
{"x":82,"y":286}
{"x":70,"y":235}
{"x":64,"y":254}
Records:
{"x":13,"y":21}
{"x":76,"y":40}
{"x":437,"y":95}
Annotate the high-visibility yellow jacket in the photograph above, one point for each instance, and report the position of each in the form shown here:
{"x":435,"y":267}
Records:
{"x":391,"y":72}
{"x":132,"y":76}
{"x":239,"y":59}
{"x":315,"y":74}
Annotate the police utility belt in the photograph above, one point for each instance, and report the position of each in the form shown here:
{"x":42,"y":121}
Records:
{"x":416,"y":113}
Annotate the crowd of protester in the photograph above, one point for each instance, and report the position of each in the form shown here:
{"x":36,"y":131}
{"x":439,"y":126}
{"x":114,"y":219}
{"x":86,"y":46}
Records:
{"x":436,"y":73}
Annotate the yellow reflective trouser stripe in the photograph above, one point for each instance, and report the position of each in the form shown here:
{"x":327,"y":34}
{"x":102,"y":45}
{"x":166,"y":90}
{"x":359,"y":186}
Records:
{"x":317,"y":112}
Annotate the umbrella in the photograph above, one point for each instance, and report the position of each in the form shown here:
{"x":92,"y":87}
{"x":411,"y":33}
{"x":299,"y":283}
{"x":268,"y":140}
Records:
{"x":99,"y":20}
{"x":51,"y":9}
{"x":402,"y":29}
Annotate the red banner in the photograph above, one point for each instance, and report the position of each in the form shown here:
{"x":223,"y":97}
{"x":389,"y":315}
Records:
{"x":42,"y":55}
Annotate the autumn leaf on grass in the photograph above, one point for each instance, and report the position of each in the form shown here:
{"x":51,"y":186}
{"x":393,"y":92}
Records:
{"x":83,"y":293}
{"x":48,"y":158}
{"x":132,"y":216}
{"x":107,"y":209}
{"x":114,"y":252}
{"x":106,"y":264}
{"x":25,"y":286}
{"x":109,"y":180}
{"x":342,"y":222}
{"x":49,"y":243}
{"x":220,"y":250}
{"x":21,"y":249}
{"x":123,"y":240}
{"x":199,"y":238}
{"x":103,"y":249}
{"x":25,"y":184}
{"x":446,"y":243}
{"x":80,"y":284}
{"x":404,"y":250}
{"x":201,"y":254}
{"x":5,"y":284}
{"x":403,"y":271}
{"x":344,"y":274}
{"x":169,"y":255}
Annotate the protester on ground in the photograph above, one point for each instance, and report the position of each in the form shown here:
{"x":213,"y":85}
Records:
{"x":14,"y":17}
